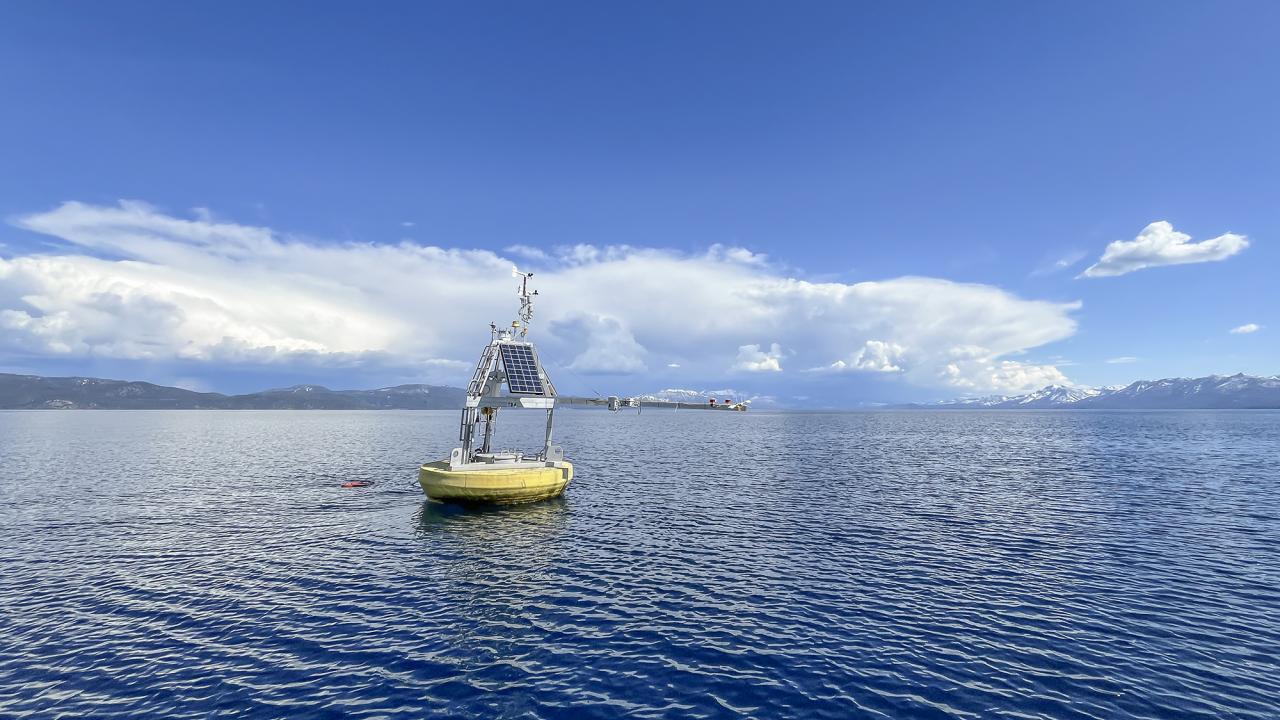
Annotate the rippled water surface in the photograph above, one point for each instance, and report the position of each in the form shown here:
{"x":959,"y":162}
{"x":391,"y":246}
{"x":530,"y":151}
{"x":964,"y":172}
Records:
{"x":964,"y":564}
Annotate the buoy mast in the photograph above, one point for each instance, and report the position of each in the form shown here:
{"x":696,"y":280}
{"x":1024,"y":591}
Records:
{"x":510,"y":375}
{"x":510,"y":359}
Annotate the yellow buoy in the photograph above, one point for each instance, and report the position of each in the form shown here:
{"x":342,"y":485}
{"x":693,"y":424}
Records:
{"x":496,"y":484}
{"x":474,"y":472}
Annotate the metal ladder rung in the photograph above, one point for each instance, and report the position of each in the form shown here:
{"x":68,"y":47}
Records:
{"x":476,"y":386}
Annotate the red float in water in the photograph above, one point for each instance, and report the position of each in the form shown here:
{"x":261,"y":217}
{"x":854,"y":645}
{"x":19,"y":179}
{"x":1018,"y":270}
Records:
{"x":356,"y":483}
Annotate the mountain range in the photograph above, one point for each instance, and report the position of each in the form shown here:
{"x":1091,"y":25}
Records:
{"x":1211,"y":392}
{"x":35,"y":392}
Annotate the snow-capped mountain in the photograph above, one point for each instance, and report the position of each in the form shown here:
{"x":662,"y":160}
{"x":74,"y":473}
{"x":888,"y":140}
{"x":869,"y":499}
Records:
{"x":1048,"y":396}
{"x":702,"y":396}
{"x":684,"y":395}
{"x":1214,"y":391}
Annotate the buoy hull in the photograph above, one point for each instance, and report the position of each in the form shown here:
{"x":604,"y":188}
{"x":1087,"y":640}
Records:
{"x":495,"y":485}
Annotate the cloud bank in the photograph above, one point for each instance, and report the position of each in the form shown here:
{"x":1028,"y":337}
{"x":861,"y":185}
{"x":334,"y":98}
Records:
{"x":1159,"y":244}
{"x":135,"y":282}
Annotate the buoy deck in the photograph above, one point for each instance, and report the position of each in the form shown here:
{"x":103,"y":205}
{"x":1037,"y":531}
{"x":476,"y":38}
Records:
{"x":495,"y":484}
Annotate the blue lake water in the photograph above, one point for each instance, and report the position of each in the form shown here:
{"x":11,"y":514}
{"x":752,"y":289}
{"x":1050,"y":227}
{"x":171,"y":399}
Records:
{"x":913,"y":564}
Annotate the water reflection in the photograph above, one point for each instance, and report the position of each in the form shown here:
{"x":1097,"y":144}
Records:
{"x":492,"y":523}
{"x":495,"y":568}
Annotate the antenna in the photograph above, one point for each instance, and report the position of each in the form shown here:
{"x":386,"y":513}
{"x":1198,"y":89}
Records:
{"x":526,"y":301}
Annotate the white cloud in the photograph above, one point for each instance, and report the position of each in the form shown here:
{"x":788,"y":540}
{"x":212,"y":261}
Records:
{"x":722,"y":253}
{"x":673,"y":365}
{"x":138,"y":283}
{"x":1008,"y":375}
{"x":873,"y":356}
{"x":528,"y":252}
{"x":752,"y":359}
{"x":1246,"y":329}
{"x":609,"y":347}
{"x":936,"y":332}
{"x":1055,"y":264}
{"x":1159,"y":244}
{"x":408,"y":223}
{"x":1123,"y":360}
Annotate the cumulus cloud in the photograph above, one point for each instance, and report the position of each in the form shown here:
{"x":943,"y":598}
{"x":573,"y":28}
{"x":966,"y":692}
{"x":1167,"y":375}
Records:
{"x":1159,"y":244}
{"x":135,"y":282}
{"x":609,"y":347}
{"x":873,"y":356}
{"x":752,"y":359}
{"x":1003,"y":374}
{"x":1246,"y":329}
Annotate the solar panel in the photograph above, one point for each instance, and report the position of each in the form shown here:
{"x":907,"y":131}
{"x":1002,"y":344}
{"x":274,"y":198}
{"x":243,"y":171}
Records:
{"x":522,"y":371}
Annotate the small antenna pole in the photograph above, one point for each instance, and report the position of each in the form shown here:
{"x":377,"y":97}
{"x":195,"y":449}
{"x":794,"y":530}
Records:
{"x":526,"y":301}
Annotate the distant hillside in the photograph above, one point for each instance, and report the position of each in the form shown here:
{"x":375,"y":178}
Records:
{"x":35,"y":392}
{"x":1215,"y":392}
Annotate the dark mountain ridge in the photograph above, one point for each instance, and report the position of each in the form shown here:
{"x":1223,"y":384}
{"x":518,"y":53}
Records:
{"x":29,"y":392}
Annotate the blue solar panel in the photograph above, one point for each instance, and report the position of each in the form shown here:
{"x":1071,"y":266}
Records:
{"x":522,"y":371}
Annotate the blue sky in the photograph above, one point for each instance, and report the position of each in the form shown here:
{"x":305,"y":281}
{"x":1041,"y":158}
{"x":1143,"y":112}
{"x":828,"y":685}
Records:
{"x":831,"y":200}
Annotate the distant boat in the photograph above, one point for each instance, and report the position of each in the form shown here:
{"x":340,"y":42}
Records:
{"x":510,"y":375}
